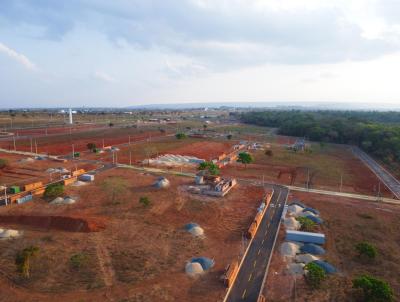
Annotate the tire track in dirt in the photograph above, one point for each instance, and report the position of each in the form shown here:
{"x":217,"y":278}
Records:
{"x":105,"y":262}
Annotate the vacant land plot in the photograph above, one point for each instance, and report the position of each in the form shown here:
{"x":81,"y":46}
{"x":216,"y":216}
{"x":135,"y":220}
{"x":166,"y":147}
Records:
{"x":323,"y":168}
{"x":141,"y":254}
{"x":22,"y":170}
{"x":347,"y":222}
{"x":62,"y":144}
{"x":201,"y":148}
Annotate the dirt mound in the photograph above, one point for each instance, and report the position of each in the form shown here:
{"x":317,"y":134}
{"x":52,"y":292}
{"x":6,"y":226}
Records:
{"x":64,"y":223}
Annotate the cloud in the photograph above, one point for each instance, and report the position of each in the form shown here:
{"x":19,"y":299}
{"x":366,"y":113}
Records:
{"x":18,"y":57}
{"x":223,"y":34}
{"x":101,"y":75}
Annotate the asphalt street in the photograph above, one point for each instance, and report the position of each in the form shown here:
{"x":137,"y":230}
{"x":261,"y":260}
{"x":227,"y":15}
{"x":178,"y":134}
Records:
{"x":388,"y":179}
{"x":249,"y":280}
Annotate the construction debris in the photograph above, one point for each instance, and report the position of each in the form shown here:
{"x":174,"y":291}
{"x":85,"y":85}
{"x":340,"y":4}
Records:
{"x":7,"y":234}
{"x":161,"y":183}
{"x":193,"y":269}
{"x":290,"y":249}
{"x":174,"y":160}
{"x":194,"y":229}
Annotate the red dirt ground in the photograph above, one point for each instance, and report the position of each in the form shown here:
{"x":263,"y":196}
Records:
{"x":55,"y":130}
{"x":63,"y":223}
{"x":143,"y":249}
{"x":61,"y":145}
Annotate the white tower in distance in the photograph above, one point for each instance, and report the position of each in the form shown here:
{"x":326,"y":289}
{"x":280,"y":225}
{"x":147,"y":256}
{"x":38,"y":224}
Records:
{"x":70,"y":116}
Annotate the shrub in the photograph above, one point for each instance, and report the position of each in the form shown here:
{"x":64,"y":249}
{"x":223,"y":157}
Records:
{"x":115,"y":188}
{"x":180,"y":135}
{"x":229,"y":136}
{"x":210,"y":167}
{"x":366,"y":250}
{"x":268,"y":152}
{"x":306,"y":223}
{"x":91,"y":146}
{"x":54,"y":190}
{"x":78,"y":260}
{"x":23,"y":260}
{"x":145,"y":201}
{"x":3,"y":163}
{"x":315,"y":275}
{"x":374,"y":289}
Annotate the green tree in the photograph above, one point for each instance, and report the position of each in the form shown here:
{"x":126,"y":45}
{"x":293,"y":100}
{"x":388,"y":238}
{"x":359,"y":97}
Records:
{"x":210,"y":167}
{"x":374,"y":289}
{"x":366,"y":250}
{"x":229,"y":136}
{"x":180,"y":135}
{"x":91,"y":146}
{"x":3,"y":163}
{"x":306,"y":223}
{"x":245,"y":158}
{"x":314,"y":275}
{"x":54,"y":190}
{"x":23,"y":260}
{"x":145,"y":201}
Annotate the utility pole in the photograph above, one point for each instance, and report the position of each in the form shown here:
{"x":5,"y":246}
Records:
{"x":308,"y":178}
{"x":379,"y":190}
{"x":73,"y":151}
{"x":15,"y":147}
{"x":129,"y":139}
{"x":36,"y":147}
{"x":130,"y":157}
{"x":103,"y":143}
{"x":31,"y":145}
{"x":5,"y":194}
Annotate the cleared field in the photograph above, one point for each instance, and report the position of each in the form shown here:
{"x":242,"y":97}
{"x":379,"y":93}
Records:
{"x":202,"y":148}
{"x":325,"y":168}
{"x":62,"y":144}
{"x":20,"y":170}
{"x":347,"y":222}
{"x":141,"y":254}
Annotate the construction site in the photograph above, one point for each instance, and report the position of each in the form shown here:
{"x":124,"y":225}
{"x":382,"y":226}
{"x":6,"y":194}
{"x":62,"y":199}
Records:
{"x":136,"y":220}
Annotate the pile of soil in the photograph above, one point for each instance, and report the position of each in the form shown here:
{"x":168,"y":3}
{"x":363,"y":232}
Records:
{"x":64,"y":223}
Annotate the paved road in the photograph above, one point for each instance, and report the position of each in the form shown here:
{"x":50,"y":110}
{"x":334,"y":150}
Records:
{"x":250,"y":278}
{"x":388,"y":179}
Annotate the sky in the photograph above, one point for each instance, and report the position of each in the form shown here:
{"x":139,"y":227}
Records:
{"x":118,"y":53}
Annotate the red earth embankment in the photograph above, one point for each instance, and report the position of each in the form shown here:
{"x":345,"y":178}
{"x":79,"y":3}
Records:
{"x":64,"y":223}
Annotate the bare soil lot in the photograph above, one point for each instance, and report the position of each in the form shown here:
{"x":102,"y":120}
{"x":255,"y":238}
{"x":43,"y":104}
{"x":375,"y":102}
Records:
{"x":325,"y":167}
{"x":347,"y":222}
{"x":61,"y":144}
{"x":19,"y":171}
{"x":141,"y":253}
{"x":198,"y":147}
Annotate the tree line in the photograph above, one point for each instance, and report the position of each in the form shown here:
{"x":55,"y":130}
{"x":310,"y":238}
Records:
{"x":378,"y":133}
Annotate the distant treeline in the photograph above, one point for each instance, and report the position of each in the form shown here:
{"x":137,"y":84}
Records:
{"x":378,"y":133}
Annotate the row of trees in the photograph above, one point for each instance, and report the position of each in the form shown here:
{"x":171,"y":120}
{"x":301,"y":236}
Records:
{"x":378,"y":133}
